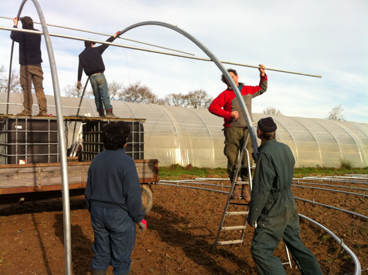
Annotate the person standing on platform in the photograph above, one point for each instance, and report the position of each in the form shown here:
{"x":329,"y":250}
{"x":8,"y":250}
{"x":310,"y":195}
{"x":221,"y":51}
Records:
{"x":30,"y":60}
{"x":90,"y":60}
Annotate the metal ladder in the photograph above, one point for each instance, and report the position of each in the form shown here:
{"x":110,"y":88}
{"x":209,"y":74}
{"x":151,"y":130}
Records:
{"x":228,"y":213}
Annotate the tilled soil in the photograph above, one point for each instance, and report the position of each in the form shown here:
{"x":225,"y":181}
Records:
{"x":182,"y":227}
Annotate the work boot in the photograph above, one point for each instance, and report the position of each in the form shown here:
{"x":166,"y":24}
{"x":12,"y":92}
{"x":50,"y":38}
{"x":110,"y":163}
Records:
{"x":101,"y":113}
{"x":98,"y":272}
{"x":41,"y":114}
{"x":110,"y":114}
{"x":236,"y":193}
{"x":24,"y":113}
{"x":245,"y":193}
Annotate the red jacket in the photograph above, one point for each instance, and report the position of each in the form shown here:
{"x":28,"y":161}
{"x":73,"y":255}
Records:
{"x":227,"y":102}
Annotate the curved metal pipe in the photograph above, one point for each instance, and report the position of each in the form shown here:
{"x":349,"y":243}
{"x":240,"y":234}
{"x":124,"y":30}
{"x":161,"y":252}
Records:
{"x":358,"y":268}
{"x":63,"y":156}
{"x":218,"y":64}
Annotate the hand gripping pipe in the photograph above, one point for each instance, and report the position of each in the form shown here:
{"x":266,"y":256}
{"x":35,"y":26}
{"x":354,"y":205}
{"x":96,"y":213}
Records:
{"x":218,"y":64}
{"x":61,"y":131}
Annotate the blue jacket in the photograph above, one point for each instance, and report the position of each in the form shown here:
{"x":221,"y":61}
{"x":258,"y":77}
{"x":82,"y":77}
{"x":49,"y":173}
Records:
{"x":113,"y":182}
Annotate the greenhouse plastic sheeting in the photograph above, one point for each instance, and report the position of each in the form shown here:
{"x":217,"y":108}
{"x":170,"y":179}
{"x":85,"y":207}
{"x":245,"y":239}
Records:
{"x":177,"y":135}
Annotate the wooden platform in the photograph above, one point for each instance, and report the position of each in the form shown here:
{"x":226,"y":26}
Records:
{"x":39,"y":177}
{"x":75,"y":118}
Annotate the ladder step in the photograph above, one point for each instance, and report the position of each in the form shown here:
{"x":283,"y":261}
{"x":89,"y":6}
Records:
{"x":242,"y":182}
{"x":237,"y":213}
{"x":229,"y":242}
{"x":237,"y":203}
{"x":233,"y":227}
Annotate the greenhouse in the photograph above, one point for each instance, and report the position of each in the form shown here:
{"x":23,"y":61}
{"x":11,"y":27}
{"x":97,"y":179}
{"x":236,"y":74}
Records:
{"x":178,"y":135}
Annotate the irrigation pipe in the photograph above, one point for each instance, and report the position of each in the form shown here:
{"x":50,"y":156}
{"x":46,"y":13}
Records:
{"x":332,"y":190}
{"x":352,"y":180}
{"x":339,"y":241}
{"x":358,"y":268}
{"x":176,"y":183}
{"x":336,"y":186}
{"x":154,"y":51}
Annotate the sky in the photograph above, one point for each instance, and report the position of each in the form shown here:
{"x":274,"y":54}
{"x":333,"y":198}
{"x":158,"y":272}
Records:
{"x":327,"y":38}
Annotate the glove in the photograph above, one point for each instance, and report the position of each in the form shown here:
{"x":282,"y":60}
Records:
{"x":142,"y":225}
{"x":79,"y":85}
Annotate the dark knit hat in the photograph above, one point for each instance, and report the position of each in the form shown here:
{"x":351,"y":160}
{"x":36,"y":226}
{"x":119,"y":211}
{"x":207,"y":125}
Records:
{"x":27,"y":22}
{"x":267,"y":125}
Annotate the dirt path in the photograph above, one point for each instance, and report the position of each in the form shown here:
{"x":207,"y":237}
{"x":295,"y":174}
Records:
{"x":182,"y":227}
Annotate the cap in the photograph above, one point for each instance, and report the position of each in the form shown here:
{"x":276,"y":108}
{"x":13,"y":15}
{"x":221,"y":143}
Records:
{"x":267,"y":125}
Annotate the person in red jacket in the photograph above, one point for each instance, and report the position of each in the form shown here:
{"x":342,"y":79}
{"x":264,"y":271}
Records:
{"x":226,"y":105}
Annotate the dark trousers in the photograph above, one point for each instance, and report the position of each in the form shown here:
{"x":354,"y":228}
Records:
{"x":115,"y":233}
{"x":266,"y":238}
{"x":234,"y":138}
{"x":32,"y":74}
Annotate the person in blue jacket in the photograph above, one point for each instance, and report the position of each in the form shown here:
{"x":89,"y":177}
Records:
{"x":113,"y":197}
{"x":273,"y":209}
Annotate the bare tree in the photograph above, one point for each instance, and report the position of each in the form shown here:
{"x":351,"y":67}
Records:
{"x":198,"y":99}
{"x":73,"y":91}
{"x":14,"y":81}
{"x":138,"y":93}
{"x":175,"y":100}
{"x":115,"y":89}
{"x":336,"y":113}
{"x":272,"y":111}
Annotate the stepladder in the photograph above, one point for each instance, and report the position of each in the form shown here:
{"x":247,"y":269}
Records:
{"x":233,"y":223}
{"x":234,"y":218}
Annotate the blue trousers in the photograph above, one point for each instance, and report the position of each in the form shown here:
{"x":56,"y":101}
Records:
{"x":115,"y":233}
{"x":100,"y":91}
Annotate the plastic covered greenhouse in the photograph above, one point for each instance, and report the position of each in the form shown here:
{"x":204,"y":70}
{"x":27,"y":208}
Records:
{"x":177,"y":135}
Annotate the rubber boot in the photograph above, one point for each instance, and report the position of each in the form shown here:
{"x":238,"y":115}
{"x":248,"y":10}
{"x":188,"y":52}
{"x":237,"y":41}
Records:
{"x":98,"y":272}
{"x":245,"y":194}
{"x":236,"y":193}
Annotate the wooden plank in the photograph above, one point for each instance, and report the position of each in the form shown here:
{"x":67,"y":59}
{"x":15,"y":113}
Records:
{"x":18,"y":178}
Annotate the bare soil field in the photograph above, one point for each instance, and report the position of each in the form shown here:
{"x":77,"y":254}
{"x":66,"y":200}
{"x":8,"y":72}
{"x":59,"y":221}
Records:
{"x":182,"y":227}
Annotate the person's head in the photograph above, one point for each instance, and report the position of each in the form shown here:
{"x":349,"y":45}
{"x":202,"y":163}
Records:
{"x":234,"y":76}
{"x":115,"y":135}
{"x":266,"y":129}
{"x":27,"y":22}
{"x":89,"y":44}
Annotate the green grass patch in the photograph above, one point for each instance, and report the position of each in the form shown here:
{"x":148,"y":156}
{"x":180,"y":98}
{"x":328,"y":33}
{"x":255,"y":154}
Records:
{"x":175,"y":171}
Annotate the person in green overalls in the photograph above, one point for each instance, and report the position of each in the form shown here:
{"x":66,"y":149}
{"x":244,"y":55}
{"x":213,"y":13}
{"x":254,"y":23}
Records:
{"x":273,"y":210}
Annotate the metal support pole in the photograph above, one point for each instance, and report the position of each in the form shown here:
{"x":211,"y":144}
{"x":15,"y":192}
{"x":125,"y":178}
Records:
{"x":63,"y":156}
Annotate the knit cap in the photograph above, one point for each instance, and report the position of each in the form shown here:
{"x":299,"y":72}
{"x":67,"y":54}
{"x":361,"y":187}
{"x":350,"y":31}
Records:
{"x":267,"y":125}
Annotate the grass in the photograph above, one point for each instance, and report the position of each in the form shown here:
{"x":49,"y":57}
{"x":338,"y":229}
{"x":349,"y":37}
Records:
{"x":176,"y":171}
